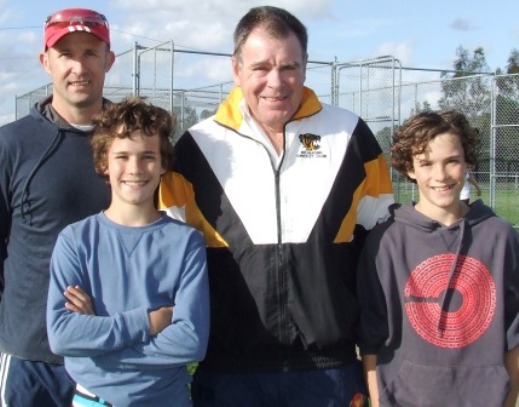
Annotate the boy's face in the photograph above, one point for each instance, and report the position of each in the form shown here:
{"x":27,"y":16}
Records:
{"x":440,"y":174}
{"x":134,"y":170}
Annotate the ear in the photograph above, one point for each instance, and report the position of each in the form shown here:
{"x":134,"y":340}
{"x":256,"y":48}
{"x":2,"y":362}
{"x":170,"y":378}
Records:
{"x":411,"y":174}
{"x":44,"y":61}
{"x":104,"y":167}
{"x":305,"y":63}
{"x":236,"y":66}
{"x":110,"y":59}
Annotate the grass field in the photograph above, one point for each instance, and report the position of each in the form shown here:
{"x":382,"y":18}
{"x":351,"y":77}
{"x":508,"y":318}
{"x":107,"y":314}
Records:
{"x":507,"y":206}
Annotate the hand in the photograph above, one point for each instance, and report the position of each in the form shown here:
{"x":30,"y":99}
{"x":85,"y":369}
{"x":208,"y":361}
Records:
{"x":78,"y":301}
{"x":160,"y":319}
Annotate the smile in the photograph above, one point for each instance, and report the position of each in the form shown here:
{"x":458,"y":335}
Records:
{"x":443,"y":188}
{"x":274,"y":99}
{"x":135,"y":184}
{"x":80,"y":83}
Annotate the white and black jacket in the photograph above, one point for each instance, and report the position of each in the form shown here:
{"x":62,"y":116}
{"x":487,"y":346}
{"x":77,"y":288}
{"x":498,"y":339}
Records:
{"x":283,"y":238}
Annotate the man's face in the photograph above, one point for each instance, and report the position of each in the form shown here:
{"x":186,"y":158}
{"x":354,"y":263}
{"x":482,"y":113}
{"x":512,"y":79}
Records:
{"x":271,"y":74}
{"x":77,"y":64}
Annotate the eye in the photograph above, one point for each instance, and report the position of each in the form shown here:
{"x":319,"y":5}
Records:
{"x":290,"y":67}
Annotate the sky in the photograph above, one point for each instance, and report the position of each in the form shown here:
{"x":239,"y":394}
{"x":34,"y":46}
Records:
{"x":418,"y":33}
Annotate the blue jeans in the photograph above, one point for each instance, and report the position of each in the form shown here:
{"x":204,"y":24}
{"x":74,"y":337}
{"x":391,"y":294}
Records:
{"x":25,"y":383}
{"x":311,"y":388}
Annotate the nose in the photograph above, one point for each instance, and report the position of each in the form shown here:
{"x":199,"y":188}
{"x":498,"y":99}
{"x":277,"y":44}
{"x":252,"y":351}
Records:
{"x":78,"y":66}
{"x":274,"y":78}
{"x":439,"y":172}
{"x":135,"y":165}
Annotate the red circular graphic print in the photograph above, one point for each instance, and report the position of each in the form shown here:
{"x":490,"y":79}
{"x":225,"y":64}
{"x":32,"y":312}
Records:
{"x":469,"y":307}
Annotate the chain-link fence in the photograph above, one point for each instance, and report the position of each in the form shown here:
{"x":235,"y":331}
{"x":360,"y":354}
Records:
{"x":371,"y":88}
{"x":380,"y":90}
{"x":386,"y":94}
{"x":503,"y":153}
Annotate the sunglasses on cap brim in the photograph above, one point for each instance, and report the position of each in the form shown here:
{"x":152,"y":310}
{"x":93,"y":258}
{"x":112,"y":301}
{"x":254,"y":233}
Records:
{"x":83,"y":17}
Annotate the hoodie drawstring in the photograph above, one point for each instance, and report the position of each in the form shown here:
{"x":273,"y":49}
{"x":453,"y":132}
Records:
{"x":448,"y":292}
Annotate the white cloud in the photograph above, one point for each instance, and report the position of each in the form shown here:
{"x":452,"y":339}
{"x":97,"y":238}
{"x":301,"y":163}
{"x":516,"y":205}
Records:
{"x":208,"y":26}
{"x":5,"y":13}
{"x":6,"y":118}
{"x":203,"y":69}
{"x":206,"y":10}
{"x":400,"y":50}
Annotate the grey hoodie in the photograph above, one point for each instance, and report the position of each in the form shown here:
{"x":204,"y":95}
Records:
{"x":440,"y":307}
{"x":47,"y":181}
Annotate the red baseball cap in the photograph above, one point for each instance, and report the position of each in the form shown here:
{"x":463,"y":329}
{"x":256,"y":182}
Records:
{"x":72,"y":20}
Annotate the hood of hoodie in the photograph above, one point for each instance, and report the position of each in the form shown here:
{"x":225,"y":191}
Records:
{"x":407,"y":214}
{"x":44,"y":107}
{"x":44,"y":111}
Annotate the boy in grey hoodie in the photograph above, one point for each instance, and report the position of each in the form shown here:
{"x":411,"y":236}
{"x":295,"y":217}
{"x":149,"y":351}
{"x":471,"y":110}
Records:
{"x":438,"y":283}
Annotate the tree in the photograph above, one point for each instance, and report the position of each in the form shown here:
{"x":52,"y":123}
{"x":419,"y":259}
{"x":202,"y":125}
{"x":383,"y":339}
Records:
{"x":507,"y":114}
{"x":207,"y":113}
{"x":513,"y":62}
{"x":509,"y":84}
{"x":424,"y":107}
{"x":507,"y":140}
{"x":385,"y":138}
{"x":186,"y":117}
{"x":468,"y":88}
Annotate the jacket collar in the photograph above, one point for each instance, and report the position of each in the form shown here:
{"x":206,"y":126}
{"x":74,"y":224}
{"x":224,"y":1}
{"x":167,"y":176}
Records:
{"x":229,"y":113}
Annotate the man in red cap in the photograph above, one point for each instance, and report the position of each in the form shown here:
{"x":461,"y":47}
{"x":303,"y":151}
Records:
{"x":47,"y":181}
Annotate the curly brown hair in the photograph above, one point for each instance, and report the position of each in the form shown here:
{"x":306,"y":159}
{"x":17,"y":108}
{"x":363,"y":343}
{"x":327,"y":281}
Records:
{"x":416,"y":133}
{"x":121,"y":120}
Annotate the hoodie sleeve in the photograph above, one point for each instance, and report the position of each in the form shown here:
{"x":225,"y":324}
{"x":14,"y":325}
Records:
{"x":185,"y":340}
{"x":75,"y":334}
{"x":373,"y":329}
{"x":512,"y":292}
{"x":4,"y":231}
{"x":5,"y":210}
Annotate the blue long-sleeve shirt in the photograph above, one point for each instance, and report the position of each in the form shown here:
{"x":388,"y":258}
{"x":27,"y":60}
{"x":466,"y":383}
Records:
{"x":129,"y":271}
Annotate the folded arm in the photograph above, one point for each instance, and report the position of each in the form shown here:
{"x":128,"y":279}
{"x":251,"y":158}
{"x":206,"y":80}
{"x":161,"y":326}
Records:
{"x":81,"y":333}
{"x":185,"y":339}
